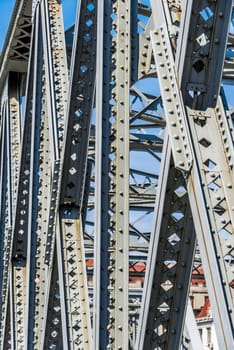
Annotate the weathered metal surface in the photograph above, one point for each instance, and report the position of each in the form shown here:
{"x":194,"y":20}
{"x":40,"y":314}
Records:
{"x":75,"y":223}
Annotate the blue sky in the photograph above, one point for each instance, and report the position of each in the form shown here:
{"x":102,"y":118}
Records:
{"x":69,"y":13}
{"x":6,"y":7}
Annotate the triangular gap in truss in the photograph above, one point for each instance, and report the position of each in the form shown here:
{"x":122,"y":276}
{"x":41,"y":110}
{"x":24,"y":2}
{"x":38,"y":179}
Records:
{"x":88,"y":224}
{"x":146,"y":133}
{"x":69,"y":9}
{"x":5,"y":21}
{"x":146,"y":130}
{"x":169,"y":260}
{"x":201,"y":317}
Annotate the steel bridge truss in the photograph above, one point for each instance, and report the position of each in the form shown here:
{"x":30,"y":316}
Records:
{"x":116,"y":156}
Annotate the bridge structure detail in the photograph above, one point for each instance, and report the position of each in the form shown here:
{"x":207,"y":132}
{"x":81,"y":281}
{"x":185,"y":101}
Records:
{"x":116,"y":167}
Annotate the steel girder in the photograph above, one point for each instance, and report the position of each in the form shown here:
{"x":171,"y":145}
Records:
{"x":204,"y":29}
{"x":112,"y":176}
{"x":170,"y":262}
{"x":47,"y":201}
{"x":10,"y":151}
{"x":204,"y":171}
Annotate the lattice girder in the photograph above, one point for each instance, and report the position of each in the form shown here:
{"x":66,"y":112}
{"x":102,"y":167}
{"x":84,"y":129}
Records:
{"x":78,"y":186}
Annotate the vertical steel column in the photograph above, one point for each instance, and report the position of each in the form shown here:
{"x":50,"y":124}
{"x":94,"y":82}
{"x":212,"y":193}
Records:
{"x":10,"y":151}
{"x":44,"y":107}
{"x":39,"y":187}
{"x":5,"y":239}
{"x":47,"y":146}
{"x":71,"y":268}
{"x":56,"y":77}
{"x":112,"y":176}
{"x":19,"y":287}
{"x":134,"y":42}
{"x":14,"y":135}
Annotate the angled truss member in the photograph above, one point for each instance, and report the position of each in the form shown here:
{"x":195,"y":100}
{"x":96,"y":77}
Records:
{"x":57,"y":169}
